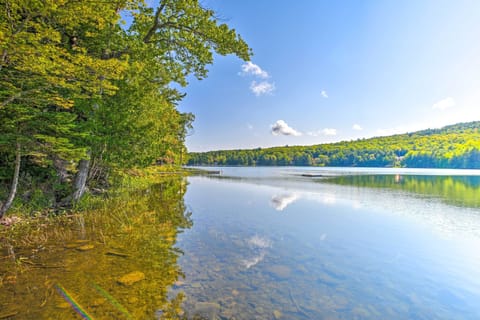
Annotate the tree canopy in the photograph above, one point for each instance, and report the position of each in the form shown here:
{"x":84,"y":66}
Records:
{"x":78,"y":83}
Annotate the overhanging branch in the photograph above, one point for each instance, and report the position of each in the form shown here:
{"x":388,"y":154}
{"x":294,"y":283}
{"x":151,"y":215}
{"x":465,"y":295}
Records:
{"x":156,"y":24}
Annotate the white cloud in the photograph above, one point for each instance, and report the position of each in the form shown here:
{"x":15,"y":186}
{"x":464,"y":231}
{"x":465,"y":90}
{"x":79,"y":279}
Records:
{"x":357,"y":127}
{"x":390,"y":131}
{"x":444,"y":104}
{"x":329,"y":132}
{"x":324,"y":94}
{"x":261,"y":87}
{"x":437,"y":122}
{"x":314,"y":133}
{"x":264,"y":87}
{"x":249,"y":126}
{"x":250,"y":68}
{"x":324,"y":132}
{"x":400,"y":129}
{"x":281,"y":127}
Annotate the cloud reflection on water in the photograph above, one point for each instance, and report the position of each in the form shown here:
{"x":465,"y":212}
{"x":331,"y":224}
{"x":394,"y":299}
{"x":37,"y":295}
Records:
{"x":281,"y":201}
{"x":259,"y":246}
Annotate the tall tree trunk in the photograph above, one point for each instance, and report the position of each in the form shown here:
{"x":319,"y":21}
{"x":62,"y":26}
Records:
{"x":60,"y":166}
{"x":81,"y":179}
{"x":13,"y":189}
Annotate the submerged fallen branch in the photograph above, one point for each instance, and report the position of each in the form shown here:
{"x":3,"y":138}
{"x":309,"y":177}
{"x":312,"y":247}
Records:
{"x":117,"y":254}
{"x":40,"y":265}
{"x":8,"y":314}
{"x":296,"y":305}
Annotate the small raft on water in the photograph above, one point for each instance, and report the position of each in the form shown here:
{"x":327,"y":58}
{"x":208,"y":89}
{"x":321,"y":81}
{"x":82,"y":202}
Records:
{"x":197,"y":171}
{"x":312,"y":175}
{"x":212,"y":171}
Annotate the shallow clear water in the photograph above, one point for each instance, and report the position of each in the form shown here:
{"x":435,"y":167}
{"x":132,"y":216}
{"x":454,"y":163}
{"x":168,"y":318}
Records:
{"x":339,"y":244}
{"x":114,"y":261}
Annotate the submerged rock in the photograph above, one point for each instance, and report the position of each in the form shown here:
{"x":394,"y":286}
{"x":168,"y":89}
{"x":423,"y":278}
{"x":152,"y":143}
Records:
{"x":227,"y":314}
{"x":208,"y":310}
{"x":86,"y":247}
{"x":72,"y":245}
{"x":196,"y":285}
{"x":178,"y":284}
{"x":280,"y":271}
{"x":131,"y":278}
{"x":327,"y":280}
{"x":277,"y":314}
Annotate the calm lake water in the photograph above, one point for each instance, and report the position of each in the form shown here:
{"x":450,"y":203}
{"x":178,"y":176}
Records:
{"x":351,"y":244}
{"x":259,"y":243}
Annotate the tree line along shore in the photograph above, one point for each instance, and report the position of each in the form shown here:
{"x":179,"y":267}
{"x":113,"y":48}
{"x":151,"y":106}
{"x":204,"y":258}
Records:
{"x":455,"y":146}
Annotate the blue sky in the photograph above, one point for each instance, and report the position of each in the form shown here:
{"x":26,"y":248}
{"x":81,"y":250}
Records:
{"x":326,"y":71}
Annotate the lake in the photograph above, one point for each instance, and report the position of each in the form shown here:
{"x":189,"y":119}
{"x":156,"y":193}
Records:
{"x":338,"y":244}
{"x":260,"y":243}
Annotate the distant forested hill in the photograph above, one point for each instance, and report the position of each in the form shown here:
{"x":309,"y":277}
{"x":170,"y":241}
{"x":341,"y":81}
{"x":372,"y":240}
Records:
{"x":454,"y":146}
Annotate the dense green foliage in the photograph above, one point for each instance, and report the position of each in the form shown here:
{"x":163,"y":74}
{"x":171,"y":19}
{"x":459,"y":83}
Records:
{"x":455,"y":146}
{"x":78,"y":85}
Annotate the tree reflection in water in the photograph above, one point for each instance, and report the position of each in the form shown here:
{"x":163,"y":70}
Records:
{"x":455,"y":190}
{"x":129,"y":238}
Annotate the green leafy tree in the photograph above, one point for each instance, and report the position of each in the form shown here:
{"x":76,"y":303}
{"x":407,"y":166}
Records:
{"x":46,"y":65}
{"x":82,"y":93}
{"x":165,"y":45}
